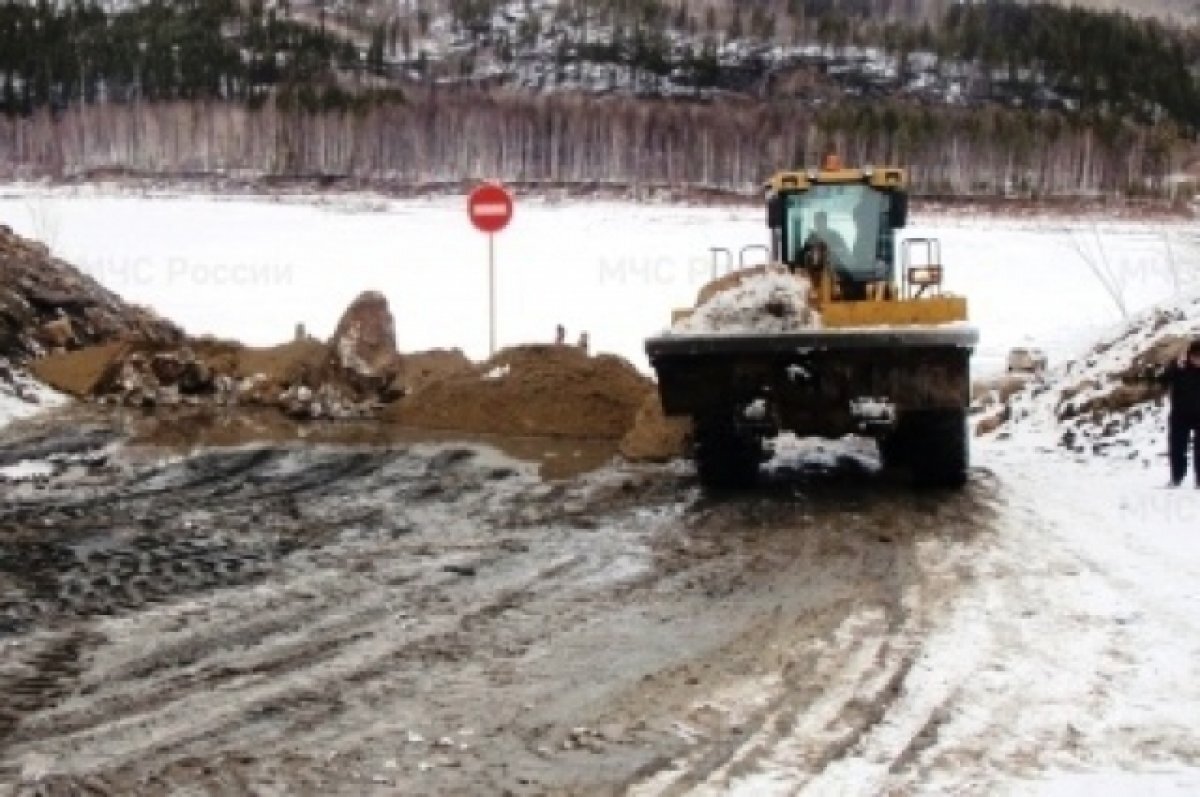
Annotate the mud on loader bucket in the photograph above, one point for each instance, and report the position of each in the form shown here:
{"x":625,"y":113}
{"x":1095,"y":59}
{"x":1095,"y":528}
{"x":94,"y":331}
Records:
{"x":740,"y":389}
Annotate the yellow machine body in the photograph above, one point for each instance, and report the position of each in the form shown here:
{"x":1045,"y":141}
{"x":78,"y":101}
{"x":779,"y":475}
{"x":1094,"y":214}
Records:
{"x":892,"y":302}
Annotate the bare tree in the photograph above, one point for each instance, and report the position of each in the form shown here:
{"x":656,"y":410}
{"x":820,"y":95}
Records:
{"x":1111,"y":277}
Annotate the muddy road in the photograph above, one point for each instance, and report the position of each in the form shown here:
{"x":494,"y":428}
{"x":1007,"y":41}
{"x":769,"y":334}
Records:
{"x":437,"y":619}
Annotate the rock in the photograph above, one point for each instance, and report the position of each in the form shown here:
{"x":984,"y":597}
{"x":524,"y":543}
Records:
{"x":225,"y":387}
{"x":365,"y":339}
{"x":999,"y":389}
{"x":167,"y":368}
{"x":58,"y":333}
{"x":197,"y":377}
{"x":168,"y":396}
{"x":991,"y":423}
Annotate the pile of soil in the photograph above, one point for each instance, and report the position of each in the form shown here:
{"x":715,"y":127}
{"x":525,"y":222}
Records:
{"x":655,"y":437}
{"x":47,"y":305}
{"x":350,"y":376}
{"x":555,"y":391}
{"x":416,"y":371}
{"x":300,"y":362}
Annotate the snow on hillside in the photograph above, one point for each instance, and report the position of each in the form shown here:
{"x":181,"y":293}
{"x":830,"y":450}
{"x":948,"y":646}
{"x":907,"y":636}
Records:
{"x":252,"y":268}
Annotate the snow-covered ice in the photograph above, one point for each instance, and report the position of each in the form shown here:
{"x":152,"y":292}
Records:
{"x":251,"y":268}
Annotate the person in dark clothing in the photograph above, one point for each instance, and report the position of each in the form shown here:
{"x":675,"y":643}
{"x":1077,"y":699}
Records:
{"x":1182,"y":379}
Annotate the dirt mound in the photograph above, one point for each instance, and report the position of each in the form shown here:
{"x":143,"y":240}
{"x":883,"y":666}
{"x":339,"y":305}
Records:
{"x":47,"y":305}
{"x":416,"y":371}
{"x":81,"y":373}
{"x":556,"y":391}
{"x":301,"y":362}
{"x":655,"y":437}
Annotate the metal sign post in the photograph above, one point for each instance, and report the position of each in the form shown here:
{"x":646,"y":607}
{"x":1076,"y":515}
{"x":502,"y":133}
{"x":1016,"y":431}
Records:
{"x":490,"y":208}
{"x":491,"y":294}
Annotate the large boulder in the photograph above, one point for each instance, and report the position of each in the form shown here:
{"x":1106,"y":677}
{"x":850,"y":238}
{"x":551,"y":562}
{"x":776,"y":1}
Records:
{"x":365,"y":339}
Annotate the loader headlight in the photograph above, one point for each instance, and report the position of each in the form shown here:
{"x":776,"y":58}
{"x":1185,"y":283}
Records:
{"x":924,"y":276}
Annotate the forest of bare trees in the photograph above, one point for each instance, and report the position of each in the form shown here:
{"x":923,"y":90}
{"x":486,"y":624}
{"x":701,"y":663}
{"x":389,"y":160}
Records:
{"x":439,"y":136}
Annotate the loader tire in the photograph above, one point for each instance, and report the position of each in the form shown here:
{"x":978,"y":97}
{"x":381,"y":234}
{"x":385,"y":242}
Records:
{"x":726,"y":458}
{"x":936,"y":447}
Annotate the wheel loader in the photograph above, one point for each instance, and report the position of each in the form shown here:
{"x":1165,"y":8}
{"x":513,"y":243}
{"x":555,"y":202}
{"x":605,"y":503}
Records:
{"x":890,"y":357}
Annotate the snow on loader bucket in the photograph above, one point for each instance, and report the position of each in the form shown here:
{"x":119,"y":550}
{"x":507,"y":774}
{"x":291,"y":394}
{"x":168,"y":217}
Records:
{"x":833,"y":337}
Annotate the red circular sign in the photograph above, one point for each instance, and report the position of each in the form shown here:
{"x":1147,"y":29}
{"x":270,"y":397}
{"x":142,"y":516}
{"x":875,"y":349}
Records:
{"x":490,"y":207}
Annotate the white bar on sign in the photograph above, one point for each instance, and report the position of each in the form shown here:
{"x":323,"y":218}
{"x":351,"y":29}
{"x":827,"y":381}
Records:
{"x":494,"y":209}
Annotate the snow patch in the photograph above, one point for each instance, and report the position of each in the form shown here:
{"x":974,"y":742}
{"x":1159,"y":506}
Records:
{"x":26,"y":470}
{"x":22,"y":396}
{"x":774,"y":301}
{"x":792,"y":453}
{"x":1176,"y":783}
{"x":499,"y":372}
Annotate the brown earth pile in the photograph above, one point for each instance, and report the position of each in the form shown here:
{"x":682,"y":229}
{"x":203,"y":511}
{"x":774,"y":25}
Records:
{"x":655,"y":437}
{"x":47,"y":305}
{"x":81,"y":373}
{"x":554,"y":391}
{"x":351,"y":376}
{"x":416,"y":371}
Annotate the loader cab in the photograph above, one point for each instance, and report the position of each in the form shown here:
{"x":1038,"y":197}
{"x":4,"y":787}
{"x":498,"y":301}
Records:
{"x":841,"y":220}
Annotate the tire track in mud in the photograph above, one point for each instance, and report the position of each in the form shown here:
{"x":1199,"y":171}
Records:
{"x":534,"y":637}
{"x":132,"y":547}
{"x":308,"y":638}
{"x":830,"y":675}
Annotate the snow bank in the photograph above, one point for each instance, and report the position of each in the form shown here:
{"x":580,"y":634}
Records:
{"x":769,"y":301}
{"x":1105,"y":402}
{"x":22,"y":396}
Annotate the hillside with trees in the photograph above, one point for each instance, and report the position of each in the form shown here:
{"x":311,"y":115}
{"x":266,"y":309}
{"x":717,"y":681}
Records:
{"x":980,"y":98}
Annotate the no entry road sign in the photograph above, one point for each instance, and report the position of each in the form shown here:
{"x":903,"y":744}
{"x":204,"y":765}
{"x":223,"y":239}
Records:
{"x":490,"y":207}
